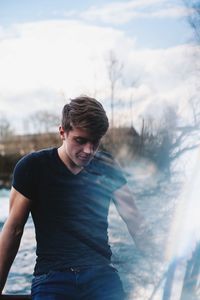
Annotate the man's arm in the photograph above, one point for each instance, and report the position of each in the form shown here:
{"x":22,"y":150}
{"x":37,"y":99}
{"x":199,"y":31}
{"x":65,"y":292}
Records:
{"x":12,"y":231}
{"x":135,"y":222}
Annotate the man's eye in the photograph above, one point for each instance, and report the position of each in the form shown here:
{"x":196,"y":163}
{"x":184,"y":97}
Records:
{"x":96,"y":143}
{"x":80,"y":141}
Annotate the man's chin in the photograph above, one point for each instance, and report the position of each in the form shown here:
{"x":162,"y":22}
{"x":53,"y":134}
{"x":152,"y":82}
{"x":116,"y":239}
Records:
{"x":84,"y":162}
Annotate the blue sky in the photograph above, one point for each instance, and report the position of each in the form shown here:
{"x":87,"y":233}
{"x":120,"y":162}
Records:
{"x":161,"y":31}
{"x":53,"y":48}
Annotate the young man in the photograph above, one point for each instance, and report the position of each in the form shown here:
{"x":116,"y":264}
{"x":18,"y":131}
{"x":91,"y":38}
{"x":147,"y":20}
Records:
{"x":68,"y":192}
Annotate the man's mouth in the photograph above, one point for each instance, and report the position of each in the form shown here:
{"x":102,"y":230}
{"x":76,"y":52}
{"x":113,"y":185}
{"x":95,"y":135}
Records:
{"x":84,"y":157}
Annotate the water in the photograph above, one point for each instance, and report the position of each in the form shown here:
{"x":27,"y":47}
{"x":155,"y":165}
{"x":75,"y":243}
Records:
{"x":3,"y":205}
{"x":19,"y":279}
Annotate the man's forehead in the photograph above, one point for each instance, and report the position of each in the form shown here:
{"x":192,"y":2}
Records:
{"x":80,"y":132}
{"x":83,"y":133}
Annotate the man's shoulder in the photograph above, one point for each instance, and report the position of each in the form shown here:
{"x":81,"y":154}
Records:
{"x":47,"y":152}
{"x":34,"y":156}
{"x":104,"y":156}
{"x":107,"y":166}
{"x":105,"y":162}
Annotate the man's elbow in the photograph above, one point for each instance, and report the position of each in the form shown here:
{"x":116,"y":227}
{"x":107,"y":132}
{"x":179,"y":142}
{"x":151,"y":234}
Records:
{"x":14,"y":231}
{"x":18,"y":231}
{"x":127,"y":217}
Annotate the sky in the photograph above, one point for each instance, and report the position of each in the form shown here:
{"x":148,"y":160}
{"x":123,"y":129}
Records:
{"x":51,"y":51}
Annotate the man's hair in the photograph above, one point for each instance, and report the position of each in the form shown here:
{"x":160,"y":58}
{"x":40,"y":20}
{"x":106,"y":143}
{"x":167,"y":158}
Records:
{"x":86,"y":113}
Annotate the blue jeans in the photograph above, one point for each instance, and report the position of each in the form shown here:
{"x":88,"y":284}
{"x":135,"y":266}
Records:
{"x":84,"y":283}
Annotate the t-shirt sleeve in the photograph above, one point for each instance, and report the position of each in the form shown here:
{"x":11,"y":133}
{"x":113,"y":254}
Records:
{"x":24,"y":176}
{"x":114,"y":175}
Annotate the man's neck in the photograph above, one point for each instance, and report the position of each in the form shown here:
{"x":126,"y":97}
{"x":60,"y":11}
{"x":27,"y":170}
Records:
{"x":68,"y":162}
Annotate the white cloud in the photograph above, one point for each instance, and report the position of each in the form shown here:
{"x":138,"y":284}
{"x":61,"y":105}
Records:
{"x":53,"y":53}
{"x":41,"y":61}
{"x":172,"y":12}
{"x":123,"y":12}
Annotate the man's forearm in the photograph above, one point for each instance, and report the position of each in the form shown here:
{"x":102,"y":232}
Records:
{"x":143,"y":238}
{"x":136,"y":228}
{"x":9,"y":243}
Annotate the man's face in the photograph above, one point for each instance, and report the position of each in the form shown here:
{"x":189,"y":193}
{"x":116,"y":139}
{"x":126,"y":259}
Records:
{"x":80,"y":147}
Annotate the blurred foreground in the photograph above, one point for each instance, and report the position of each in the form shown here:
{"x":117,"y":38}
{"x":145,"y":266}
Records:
{"x":165,"y":275}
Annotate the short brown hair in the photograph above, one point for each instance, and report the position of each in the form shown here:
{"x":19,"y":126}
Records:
{"x":87,"y":113}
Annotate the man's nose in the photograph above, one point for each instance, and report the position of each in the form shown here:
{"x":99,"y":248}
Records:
{"x":88,"y":148}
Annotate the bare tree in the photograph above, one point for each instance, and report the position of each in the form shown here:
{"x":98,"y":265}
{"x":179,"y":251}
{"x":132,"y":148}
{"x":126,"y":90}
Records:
{"x":43,"y":121}
{"x":114,"y":67}
{"x":5,"y":128}
{"x":131,"y":101}
{"x":164,"y":141}
{"x":194,"y":16}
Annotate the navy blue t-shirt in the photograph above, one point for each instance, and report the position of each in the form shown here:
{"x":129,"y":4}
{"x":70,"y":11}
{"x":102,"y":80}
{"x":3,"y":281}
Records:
{"x":69,"y":211}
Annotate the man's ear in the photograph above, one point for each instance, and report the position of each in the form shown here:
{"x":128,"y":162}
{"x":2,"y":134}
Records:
{"x":62,"y":133}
